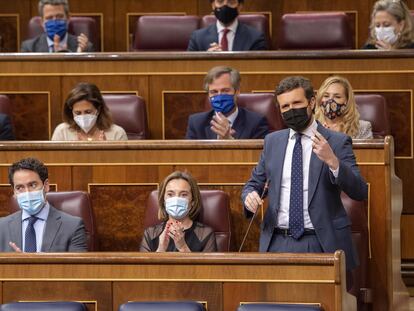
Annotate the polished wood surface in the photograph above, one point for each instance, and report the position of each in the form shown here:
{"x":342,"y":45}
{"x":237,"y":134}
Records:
{"x":119,"y":176}
{"x":221,"y":281}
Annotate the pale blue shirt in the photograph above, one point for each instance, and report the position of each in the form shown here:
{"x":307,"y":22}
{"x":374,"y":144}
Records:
{"x":62,"y":43}
{"x":39,"y":226}
{"x":283,"y":214}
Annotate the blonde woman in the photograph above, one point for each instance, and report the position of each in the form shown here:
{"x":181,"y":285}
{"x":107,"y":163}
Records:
{"x":391,"y":26}
{"x":336,"y":109}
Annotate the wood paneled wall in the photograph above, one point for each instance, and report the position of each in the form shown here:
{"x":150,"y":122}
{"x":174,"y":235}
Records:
{"x":116,"y":13}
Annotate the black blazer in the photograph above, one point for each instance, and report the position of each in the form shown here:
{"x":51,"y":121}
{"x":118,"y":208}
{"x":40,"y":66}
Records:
{"x":247,"y":38}
{"x":248,"y":125}
{"x":6,"y":129}
{"x":39,"y":44}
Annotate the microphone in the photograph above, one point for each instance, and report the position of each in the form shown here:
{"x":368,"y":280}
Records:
{"x":266,"y":187}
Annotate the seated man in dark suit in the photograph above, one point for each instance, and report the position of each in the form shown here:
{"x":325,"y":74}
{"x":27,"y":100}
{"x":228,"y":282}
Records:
{"x":6,"y":129}
{"x":225,"y":120}
{"x":228,"y":34}
{"x":38,"y":226}
{"x":55,"y":14}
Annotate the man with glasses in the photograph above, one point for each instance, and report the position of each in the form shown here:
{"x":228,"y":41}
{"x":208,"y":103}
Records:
{"x":38,"y":226}
{"x":55,"y":14}
{"x":225,"y":120}
{"x":227,"y":34}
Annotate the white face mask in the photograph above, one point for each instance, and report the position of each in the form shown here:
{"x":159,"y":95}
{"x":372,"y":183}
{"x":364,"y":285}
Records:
{"x":386,"y":34}
{"x":86,"y":121}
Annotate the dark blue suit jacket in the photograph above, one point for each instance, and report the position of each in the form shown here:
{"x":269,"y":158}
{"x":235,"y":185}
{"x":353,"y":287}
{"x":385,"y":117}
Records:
{"x":39,"y":44}
{"x":248,"y":125}
{"x":246,"y":38}
{"x":6,"y":130}
{"x":328,"y":216}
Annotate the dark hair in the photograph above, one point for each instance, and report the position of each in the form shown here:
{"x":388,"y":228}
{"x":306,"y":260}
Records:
{"x":294,"y":82}
{"x":195,"y":204}
{"x":42,"y":4}
{"x":30,"y":164}
{"x":90,"y":93}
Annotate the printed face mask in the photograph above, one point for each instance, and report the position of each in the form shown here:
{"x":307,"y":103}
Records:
{"x":176,"y":207}
{"x":223,"y":103}
{"x":31,"y":201}
{"x":332,"y":109}
{"x":56,"y":27}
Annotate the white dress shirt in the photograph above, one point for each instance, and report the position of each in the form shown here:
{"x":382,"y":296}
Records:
{"x":39,"y":226}
{"x":283,"y":214}
{"x":230,"y":35}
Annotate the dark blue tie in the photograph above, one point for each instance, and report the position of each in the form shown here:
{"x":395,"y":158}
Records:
{"x":296,"y":224}
{"x":30,"y":236}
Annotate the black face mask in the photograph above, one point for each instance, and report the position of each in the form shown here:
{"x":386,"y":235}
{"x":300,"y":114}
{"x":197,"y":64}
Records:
{"x":297,"y":119}
{"x":226,"y":14}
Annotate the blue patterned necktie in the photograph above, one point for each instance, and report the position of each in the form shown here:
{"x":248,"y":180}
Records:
{"x":30,"y":245}
{"x":296,"y":224}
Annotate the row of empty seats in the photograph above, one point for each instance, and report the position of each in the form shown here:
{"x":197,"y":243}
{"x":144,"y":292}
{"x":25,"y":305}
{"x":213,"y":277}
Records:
{"x":172,"y":32}
{"x":129,"y":111}
{"x":215,"y":213}
{"x":155,"y":306}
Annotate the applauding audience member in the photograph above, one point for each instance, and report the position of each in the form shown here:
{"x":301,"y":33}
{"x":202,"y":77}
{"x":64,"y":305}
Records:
{"x":179,"y":205}
{"x":391,"y":26}
{"x":228,"y":33}
{"x":336,"y":109}
{"x":55,"y":15}
{"x":86,"y":117}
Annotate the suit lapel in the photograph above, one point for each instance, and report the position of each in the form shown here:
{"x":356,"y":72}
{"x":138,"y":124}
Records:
{"x":238,"y":38}
{"x":239,"y":123}
{"x":53,"y":224}
{"x":212,"y":35}
{"x":207,"y":129}
{"x":15,"y":229}
{"x":315,"y":167}
{"x":278,"y":154}
{"x":43,"y":45}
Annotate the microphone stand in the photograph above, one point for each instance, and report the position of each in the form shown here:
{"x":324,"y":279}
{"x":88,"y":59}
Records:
{"x":266,"y":187}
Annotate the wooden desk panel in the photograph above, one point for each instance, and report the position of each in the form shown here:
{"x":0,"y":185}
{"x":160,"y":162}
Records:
{"x":209,"y":278}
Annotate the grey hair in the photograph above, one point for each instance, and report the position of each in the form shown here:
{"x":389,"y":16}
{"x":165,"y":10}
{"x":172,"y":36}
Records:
{"x":65,"y":4}
{"x":216,"y":72}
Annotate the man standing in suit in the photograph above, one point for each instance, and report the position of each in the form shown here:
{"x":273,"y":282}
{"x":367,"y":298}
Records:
{"x":227,"y":34}
{"x":55,"y":14}
{"x":306,"y":168}
{"x":38,"y":226}
{"x":225,"y":120}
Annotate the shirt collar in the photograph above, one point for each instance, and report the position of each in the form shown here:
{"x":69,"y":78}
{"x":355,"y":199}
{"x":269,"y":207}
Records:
{"x":232,"y":27}
{"x":233,"y":116}
{"x":44,"y":212}
{"x":308,"y":132}
{"x":62,"y":42}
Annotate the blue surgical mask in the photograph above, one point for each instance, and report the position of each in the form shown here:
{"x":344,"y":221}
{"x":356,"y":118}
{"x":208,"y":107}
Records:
{"x":31,"y":201}
{"x":56,"y":27}
{"x":176,"y":207}
{"x":223,"y":103}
